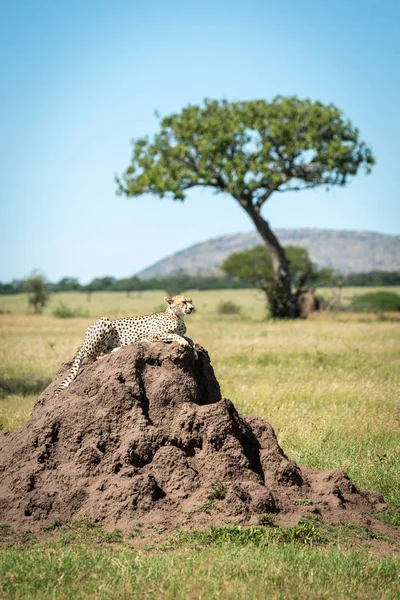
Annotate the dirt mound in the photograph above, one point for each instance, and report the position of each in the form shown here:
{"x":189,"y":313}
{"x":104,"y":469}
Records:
{"x":143,"y":435}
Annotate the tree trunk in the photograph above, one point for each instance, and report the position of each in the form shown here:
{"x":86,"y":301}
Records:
{"x":281,"y":299}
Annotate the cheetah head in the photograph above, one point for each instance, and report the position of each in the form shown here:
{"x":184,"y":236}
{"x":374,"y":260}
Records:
{"x":180,"y":305}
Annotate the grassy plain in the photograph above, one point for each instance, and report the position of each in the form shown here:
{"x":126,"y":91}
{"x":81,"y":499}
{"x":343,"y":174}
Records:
{"x":328,"y":385}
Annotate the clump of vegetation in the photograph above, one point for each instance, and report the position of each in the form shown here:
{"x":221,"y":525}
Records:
{"x":302,"y":502}
{"x":259,"y":535}
{"x":376,"y":302}
{"x":218,"y":491}
{"x":207,"y":507}
{"x":227,"y":307}
{"x":267,"y":519}
{"x":36,"y":286}
{"x":63,"y":311}
{"x":82,"y":530}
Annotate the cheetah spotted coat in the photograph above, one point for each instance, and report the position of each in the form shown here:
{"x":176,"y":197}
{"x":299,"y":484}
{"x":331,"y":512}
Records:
{"x":108,"y":335}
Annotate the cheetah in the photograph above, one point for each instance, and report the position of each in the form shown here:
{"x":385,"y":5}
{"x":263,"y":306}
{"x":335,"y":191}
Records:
{"x":107,"y":335}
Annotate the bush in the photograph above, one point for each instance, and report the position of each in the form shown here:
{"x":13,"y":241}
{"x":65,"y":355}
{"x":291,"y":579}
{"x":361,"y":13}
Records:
{"x":37,"y":288}
{"x":376,"y":302}
{"x":62,"y":311}
{"x":228,"y":308}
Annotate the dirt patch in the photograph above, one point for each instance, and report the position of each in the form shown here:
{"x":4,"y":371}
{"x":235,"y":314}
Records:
{"x":144,"y":436}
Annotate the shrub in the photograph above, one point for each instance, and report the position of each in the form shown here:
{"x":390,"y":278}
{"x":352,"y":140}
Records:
{"x":37,"y":288}
{"x":376,"y":302}
{"x":228,"y":308}
{"x":62,"y":311}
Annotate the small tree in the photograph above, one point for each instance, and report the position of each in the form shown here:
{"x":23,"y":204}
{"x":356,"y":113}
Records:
{"x":250,"y":150}
{"x":256,"y":266}
{"x":36,"y":286}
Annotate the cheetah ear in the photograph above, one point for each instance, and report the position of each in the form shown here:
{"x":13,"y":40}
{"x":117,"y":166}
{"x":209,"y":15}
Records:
{"x":168,"y":300}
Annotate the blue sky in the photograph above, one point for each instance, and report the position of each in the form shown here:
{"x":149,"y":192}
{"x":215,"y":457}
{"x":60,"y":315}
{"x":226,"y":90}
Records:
{"x":81,"y":79}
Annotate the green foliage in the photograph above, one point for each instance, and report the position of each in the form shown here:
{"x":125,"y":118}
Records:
{"x":184,"y":281}
{"x":66,"y":284}
{"x":255,"y":266}
{"x":376,"y":302}
{"x":63,"y":311}
{"x":218,"y":491}
{"x":16,"y":286}
{"x":171,"y":284}
{"x":36,"y":286}
{"x":100,"y":283}
{"x":267,"y":519}
{"x":227,"y":307}
{"x":207,"y":507}
{"x":372,"y":278}
{"x":247,"y":149}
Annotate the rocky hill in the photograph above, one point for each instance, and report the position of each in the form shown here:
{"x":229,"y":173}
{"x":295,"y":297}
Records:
{"x":345,"y":251}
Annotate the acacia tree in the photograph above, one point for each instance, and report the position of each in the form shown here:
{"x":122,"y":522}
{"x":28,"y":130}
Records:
{"x":250,"y":150}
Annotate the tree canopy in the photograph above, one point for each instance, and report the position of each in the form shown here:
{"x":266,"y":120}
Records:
{"x":247,"y":149}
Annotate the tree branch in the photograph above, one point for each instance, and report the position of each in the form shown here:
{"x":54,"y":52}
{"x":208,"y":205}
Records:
{"x":298,"y":188}
{"x":263,"y":198}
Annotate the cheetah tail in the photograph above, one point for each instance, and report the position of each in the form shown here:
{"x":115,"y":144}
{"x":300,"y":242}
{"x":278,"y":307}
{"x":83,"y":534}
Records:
{"x":73,"y":372}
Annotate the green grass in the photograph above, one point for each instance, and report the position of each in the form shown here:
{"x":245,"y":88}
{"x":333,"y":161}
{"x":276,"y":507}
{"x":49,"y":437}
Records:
{"x":83,"y":561}
{"x":389,"y":517}
{"x":230,"y":570}
{"x":328,"y":385}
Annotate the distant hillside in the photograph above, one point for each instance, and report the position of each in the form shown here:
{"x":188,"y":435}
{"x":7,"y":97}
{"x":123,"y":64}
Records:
{"x":344,"y":251}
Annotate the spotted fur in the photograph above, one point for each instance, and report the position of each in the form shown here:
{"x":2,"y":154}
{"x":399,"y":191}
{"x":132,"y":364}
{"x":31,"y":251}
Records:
{"x":108,"y":335}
